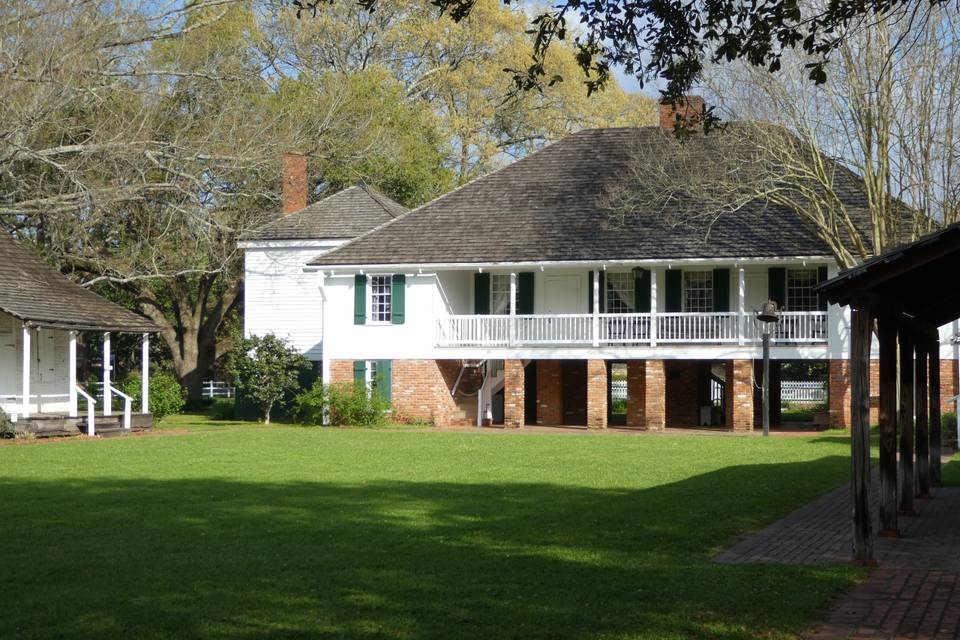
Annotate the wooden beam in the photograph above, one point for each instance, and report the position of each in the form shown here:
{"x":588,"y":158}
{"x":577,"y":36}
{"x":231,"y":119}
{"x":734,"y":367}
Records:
{"x":906,"y":421}
{"x":887,"y":330}
{"x":923,"y":423}
{"x":936,"y":433}
{"x":860,"y":335}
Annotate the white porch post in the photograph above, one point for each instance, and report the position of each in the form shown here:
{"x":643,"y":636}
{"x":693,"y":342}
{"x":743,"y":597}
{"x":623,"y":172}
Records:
{"x":107,"y":396}
{"x":741,"y":322}
{"x":72,"y":371}
{"x":145,"y":374}
{"x":25,"y":380}
{"x":653,"y":307}
{"x":513,"y":308}
{"x":595,"y":324}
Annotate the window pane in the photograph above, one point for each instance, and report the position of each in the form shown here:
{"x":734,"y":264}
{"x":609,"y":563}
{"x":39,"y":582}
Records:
{"x":500,"y":294}
{"x":800,"y":290}
{"x":380,"y":298}
{"x":698,"y":291}
{"x":620,"y":293}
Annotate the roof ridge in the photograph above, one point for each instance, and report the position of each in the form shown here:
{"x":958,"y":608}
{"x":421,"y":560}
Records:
{"x":376,"y":195}
{"x":430,"y":202}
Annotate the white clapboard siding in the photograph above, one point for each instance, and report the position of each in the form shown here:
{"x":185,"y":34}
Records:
{"x":280,"y":298}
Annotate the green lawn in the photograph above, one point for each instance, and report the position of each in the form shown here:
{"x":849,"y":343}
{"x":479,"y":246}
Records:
{"x":240,"y":531}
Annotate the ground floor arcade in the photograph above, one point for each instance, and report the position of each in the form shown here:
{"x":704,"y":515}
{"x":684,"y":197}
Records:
{"x":640,"y":394}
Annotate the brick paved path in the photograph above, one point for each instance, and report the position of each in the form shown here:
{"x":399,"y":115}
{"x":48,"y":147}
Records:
{"x":915,"y":591}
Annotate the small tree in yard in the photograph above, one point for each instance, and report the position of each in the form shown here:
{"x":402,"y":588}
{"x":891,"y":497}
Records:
{"x":265,"y":368}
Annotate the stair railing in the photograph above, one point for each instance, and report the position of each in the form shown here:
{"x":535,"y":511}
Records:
{"x":91,"y":411}
{"x":127,"y":405}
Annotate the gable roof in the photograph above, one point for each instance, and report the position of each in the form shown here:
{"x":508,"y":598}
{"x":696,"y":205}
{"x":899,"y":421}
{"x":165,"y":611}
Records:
{"x":345,"y":214}
{"x":35,"y":292}
{"x":549,"y":206}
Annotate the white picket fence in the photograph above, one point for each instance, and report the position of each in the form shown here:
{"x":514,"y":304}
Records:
{"x":803,"y":391}
{"x":217,"y":389}
{"x":618,"y":389}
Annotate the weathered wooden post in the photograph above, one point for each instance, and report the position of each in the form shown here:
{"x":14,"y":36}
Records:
{"x":906,"y":422}
{"x":936,"y":433}
{"x":923,"y":424}
{"x":860,"y":335}
{"x":887,"y":335}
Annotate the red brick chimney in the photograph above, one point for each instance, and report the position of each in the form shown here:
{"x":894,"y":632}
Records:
{"x":294,"y":182}
{"x":690,"y":108}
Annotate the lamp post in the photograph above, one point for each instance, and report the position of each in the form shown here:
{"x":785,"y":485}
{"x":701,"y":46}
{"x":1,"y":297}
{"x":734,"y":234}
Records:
{"x":769,"y":316}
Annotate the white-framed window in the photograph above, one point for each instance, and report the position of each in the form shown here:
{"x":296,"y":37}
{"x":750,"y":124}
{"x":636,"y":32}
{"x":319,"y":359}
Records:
{"x":500,"y":294}
{"x":620,"y":292}
{"x":698,"y":291}
{"x":381,"y":299}
{"x":801,"y":294}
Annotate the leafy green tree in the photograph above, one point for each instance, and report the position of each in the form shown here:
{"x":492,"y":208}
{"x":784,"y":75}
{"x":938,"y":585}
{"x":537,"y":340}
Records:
{"x":264,"y":369}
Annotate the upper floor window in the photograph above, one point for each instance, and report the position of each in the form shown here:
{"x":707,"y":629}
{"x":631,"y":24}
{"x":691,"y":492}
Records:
{"x":381,"y":299}
{"x":500,"y":294}
{"x":620,"y":292}
{"x":801,"y":294}
{"x":698,"y":291}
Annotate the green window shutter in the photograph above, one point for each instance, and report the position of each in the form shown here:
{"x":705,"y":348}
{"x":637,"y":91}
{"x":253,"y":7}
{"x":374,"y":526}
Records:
{"x":777,"y":285}
{"x":641,"y":291}
{"x":590,"y":292}
{"x":481,"y":294}
{"x":721,"y":289}
{"x":360,"y":371}
{"x":821,"y":278}
{"x":673,"y":297}
{"x":359,"y":299}
{"x":398,"y":293}
{"x":384,"y":382}
{"x":525,"y":292}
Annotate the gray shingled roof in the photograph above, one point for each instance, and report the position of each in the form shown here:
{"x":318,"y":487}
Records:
{"x":549,"y":206}
{"x":345,"y":214}
{"x":33,"y":291}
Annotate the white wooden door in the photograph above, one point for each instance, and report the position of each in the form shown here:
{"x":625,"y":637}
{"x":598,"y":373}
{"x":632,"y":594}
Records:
{"x":562,"y":294}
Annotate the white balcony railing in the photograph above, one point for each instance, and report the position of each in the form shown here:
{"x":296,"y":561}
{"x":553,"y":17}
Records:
{"x":624,"y":329}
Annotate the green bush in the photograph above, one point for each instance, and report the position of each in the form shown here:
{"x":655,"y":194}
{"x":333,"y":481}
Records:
{"x":948,"y":429}
{"x":6,"y":427}
{"x":348,"y":405}
{"x":266,"y":369}
{"x":222,"y":409}
{"x":353,"y":405}
{"x":166,"y":395}
{"x":307,"y":406}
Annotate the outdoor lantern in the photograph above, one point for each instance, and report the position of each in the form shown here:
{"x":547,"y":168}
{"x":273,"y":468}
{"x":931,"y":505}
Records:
{"x":769,"y":312}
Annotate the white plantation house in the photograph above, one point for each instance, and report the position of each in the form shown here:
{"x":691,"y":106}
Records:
{"x":42,"y":315}
{"x":515,"y":300}
{"x":280,"y":297}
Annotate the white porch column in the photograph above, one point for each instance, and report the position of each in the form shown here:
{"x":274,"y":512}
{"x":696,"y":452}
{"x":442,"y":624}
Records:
{"x":741,"y":322}
{"x":72,"y":371}
{"x":25,"y":380}
{"x":653,"y":307}
{"x":107,"y":395}
{"x":145,"y":374}
{"x":513,"y":308}
{"x":595,"y":324}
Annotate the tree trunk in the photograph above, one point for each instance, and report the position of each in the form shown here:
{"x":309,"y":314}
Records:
{"x":266,"y":414}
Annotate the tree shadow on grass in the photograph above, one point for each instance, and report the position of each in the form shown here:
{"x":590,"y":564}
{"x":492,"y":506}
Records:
{"x":214,"y":558}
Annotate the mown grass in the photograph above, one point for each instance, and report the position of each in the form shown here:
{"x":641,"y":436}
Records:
{"x":236,"y":530}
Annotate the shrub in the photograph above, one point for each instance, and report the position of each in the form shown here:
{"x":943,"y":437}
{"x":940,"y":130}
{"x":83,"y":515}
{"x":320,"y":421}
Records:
{"x":6,"y":427}
{"x":353,"y":405}
{"x":308,"y":405}
{"x":166,"y":395}
{"x":222,"y":409}
{"x":948,"y":428}
{"x":265,"y":368}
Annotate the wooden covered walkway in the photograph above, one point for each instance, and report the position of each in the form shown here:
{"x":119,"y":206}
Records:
{"x":902,"y":297}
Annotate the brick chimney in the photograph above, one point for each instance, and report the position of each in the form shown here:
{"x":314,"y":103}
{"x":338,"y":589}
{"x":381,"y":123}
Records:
{"x":294,"y":182}
{"x":690,"y":108}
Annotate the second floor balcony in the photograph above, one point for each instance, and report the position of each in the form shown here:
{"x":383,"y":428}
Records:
{"x":647,"y":329}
